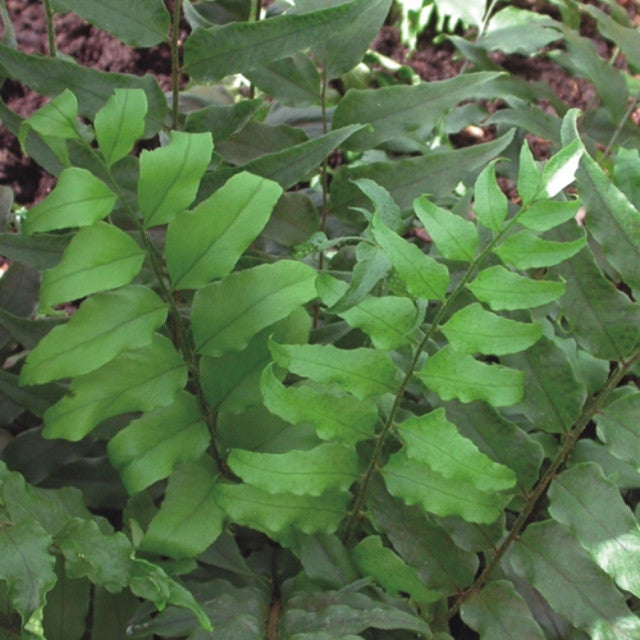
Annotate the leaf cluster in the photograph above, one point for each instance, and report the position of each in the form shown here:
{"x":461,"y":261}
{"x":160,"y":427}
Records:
{"x":301,"y":399}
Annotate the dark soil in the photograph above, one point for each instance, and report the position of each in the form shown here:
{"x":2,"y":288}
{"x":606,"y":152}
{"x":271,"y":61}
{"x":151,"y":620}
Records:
{"x":98,"y":49}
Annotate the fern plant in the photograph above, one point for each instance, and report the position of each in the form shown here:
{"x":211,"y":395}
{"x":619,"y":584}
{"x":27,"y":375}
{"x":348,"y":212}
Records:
{"x":309,"y":425}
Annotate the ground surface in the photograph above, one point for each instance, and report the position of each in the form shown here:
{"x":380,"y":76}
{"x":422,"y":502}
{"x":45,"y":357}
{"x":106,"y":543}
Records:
{"x":92,"y":47}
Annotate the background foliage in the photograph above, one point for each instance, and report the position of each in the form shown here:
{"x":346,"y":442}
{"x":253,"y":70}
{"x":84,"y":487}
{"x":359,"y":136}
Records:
{"x":308,"y":393}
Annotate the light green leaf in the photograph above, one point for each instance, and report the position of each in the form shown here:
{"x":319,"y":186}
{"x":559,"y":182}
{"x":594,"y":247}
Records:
{"x":425,"y":277}
{"x":138,"y":380}
{"x":455,"y":237}
{"x":149,"y":581}
{"x":436,"y":172}
{"x":543,"y":215}
{"x":455,"y":375}
{"x":602,"y":319}
{"x":328,"y":467}
{"x":475,"y":330}
{"x":553,"y":398}
{"x":502,"y":289}
{"x":619,"y":428}
{"x":612,"y":219}
{"x":524,"y":250}
{"x":402,"y":111}
{"x":498,"y":612}
{"x":591,"y":506}
{"x":387,"y":320}
{"x":189,"y":519}
{"x":416,"y":483}
{"x":103,"y":558}
{"x":528,"y":181}
{"x":275,"y":515}
{"x":390,"y":571}
{"x":120,"y":123}
{"x":349,"y":421}
{"x":227,"y":314}
{"x":26,"y":565}
{"x":150,"y":447}
{"x":238,"y":47}
{"x":434,"y":441}
{"x":79,"y":199}
{"x":555,"y":564}
{"x":490,"y":204}
{"x":232,"y":381}
{"x":140,"y":24}
{"x":362,"y":372}
{"x":57,"y":119}
{"x":560,"y":170}
{"x":170,"y":175}
{"x":205,"y":244}
{"x":99,"y":257}
{"x":104,"y":326}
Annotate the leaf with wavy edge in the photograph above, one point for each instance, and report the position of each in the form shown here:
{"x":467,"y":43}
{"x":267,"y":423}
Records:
{"x":362,"y":372}
{"x":416,"y":483}
{"x":104,"y":326}
{"x":432,"y":440}
{"x":618,"y":427}
{"x":349,"y":421}
{"x":457,"y":375}
{"x":503,"y":289}
{"x":330,"y":466}
{"x":475,"y":330}
{"x":139,"y":380}
{"x":148,"y":448}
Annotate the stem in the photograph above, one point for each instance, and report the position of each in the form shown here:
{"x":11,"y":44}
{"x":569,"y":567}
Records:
{"x":630,"y":109}
{"x":254,"y":16}
{"x":372,"y":467}
{"x":51,"y":34}
{"x":175,"y":63}
{"x":592,"y":406}
{"x":184,"y":338}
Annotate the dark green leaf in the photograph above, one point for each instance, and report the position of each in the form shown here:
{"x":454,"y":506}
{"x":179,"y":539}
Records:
{"x":40,"y":252}
{"x":552,"y":560}
{"x":67,"y":608}
{"x":498,"y":612}
{"x":327,"y":562}
{"x":140,"y":24}
{"x":591,"y":507}
{"x":619,"y":429}
{"x":553,"y":398}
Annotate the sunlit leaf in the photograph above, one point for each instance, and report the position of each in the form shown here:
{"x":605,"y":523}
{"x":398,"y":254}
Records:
{"x":490,"y":204}
{"x":524,"y":250}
